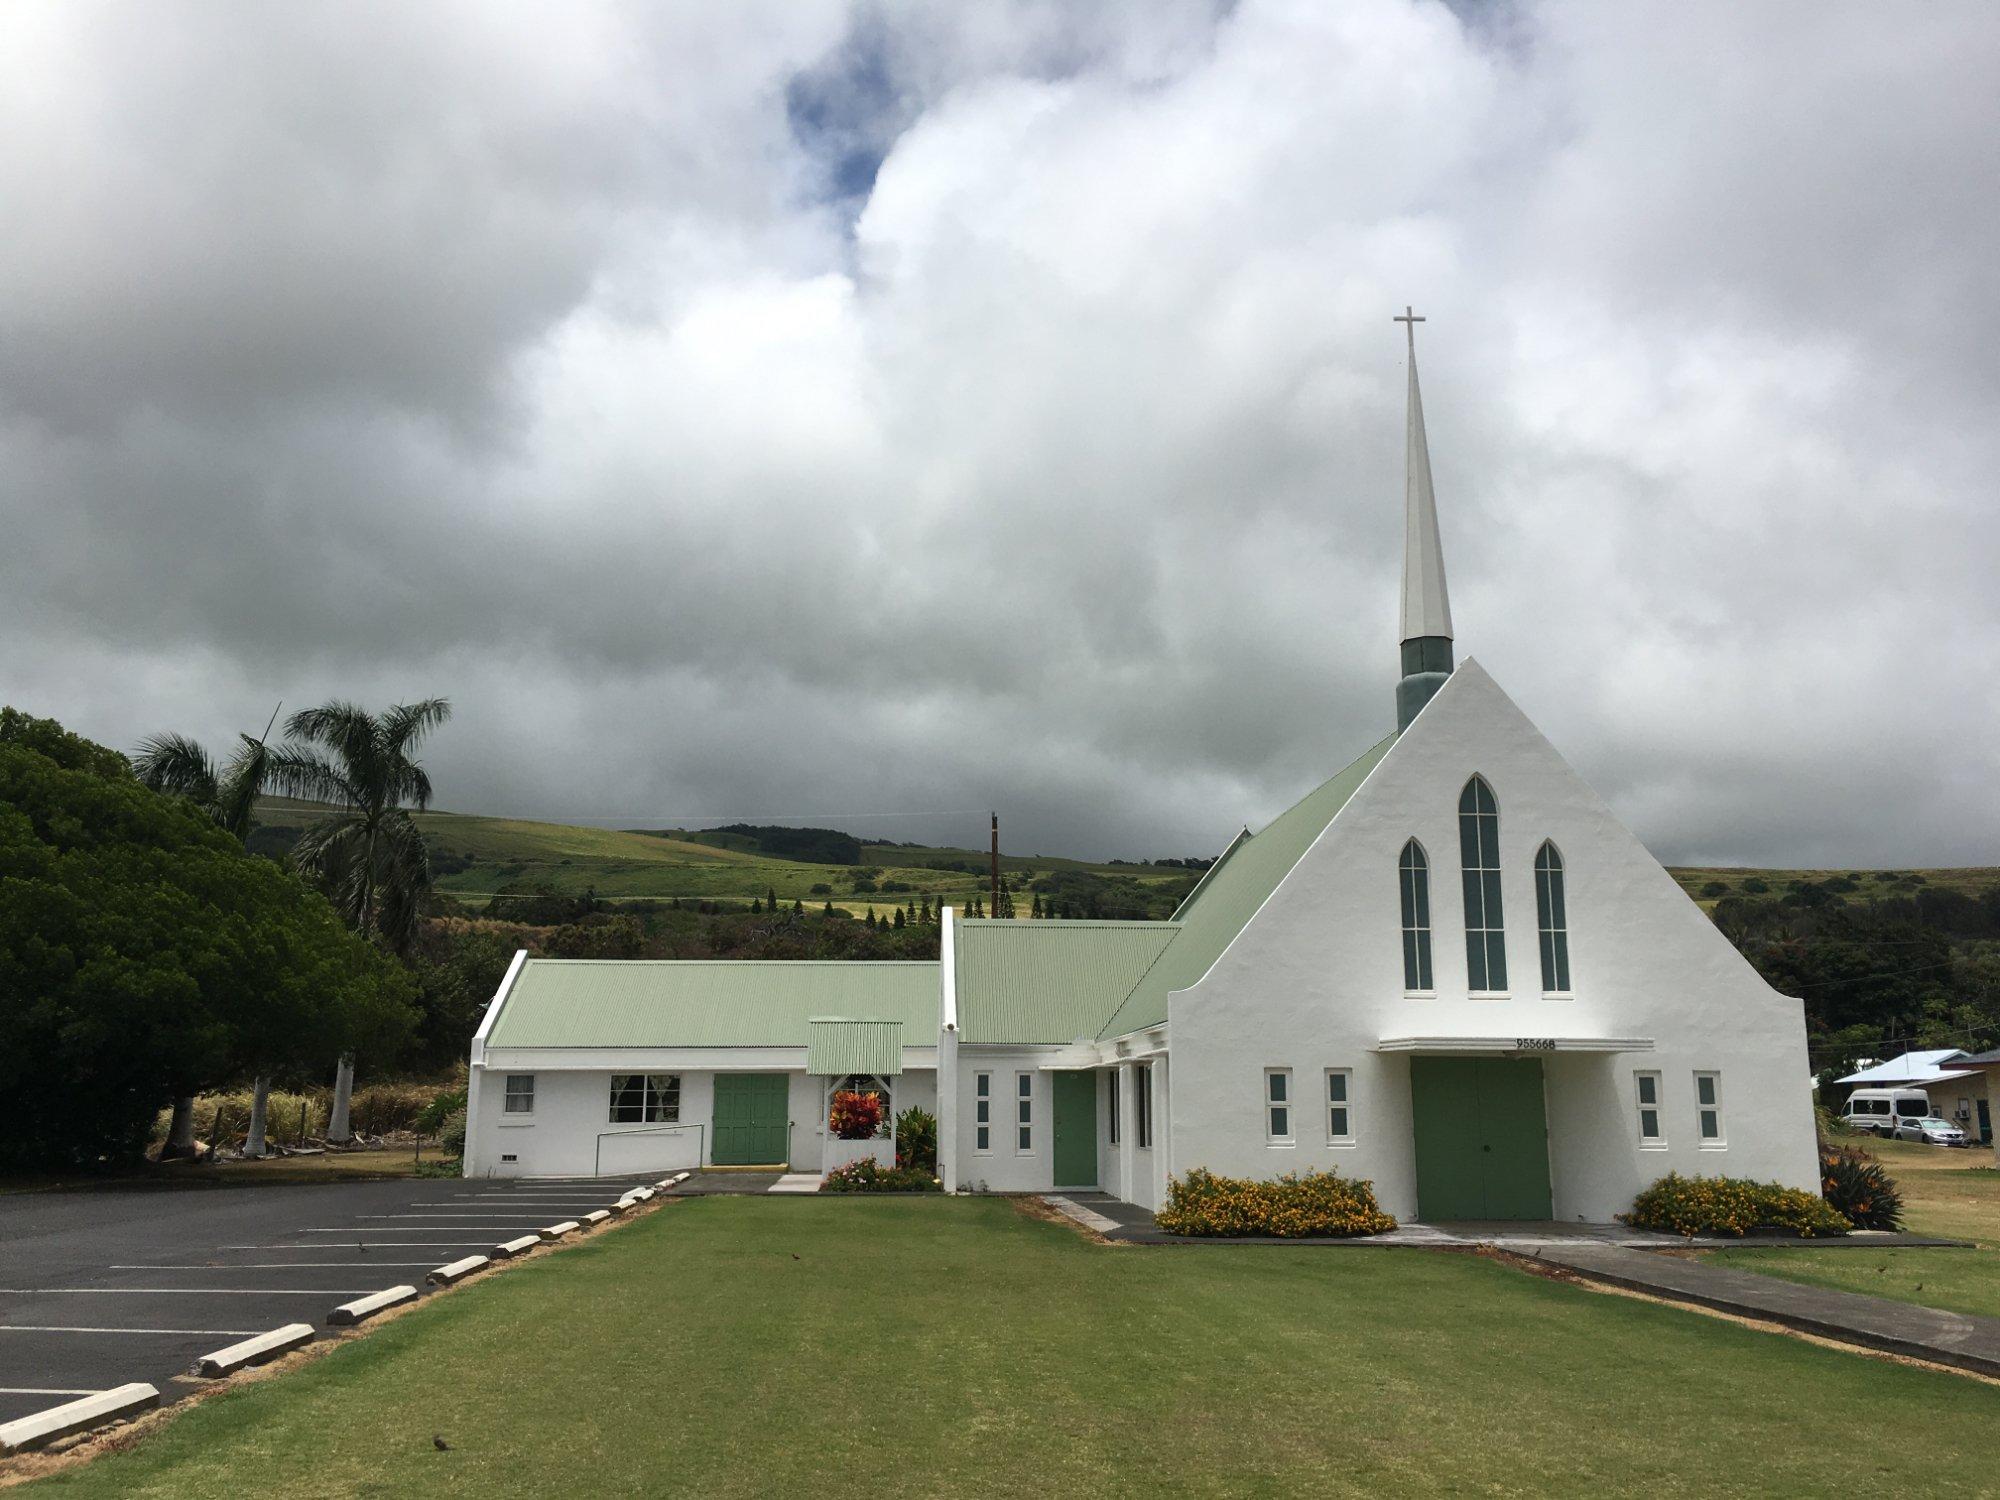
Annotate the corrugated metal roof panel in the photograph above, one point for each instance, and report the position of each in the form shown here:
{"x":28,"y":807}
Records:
{"x":561,"y":1002}
{"x":1226,"y":901}
{"x":1048,"y":982}
{"x":839,"y":1046}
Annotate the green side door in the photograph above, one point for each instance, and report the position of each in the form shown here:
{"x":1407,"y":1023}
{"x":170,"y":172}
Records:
{"x":752,"y":1120}
{"x":1075,"y":1129}
{"x":1481,"y":1138}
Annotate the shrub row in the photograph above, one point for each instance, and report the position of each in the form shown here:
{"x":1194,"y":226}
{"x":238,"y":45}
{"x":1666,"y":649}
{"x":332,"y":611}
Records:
{"x":870,"y":1176}
{"x":1317,"y":1203}
{"x":1732,"y":1206}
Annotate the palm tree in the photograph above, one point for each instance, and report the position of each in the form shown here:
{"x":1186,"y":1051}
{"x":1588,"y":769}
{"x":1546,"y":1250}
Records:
{"x":179,"y":767}
{"x":369,"y":857}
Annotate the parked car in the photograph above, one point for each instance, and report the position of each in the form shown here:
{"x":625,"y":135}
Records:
{"x":1931,"y":1131}
{"x":1882,"y":1111}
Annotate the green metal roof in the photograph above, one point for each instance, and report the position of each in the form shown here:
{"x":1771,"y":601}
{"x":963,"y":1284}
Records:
{"x":1047,"y":982}
{"x":1223,"y":904}
{"x":565,"y":1002}
{"x":839,"y":1046}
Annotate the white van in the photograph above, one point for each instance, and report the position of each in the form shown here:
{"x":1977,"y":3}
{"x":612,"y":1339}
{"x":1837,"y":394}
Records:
{"x":1881,"y":1110}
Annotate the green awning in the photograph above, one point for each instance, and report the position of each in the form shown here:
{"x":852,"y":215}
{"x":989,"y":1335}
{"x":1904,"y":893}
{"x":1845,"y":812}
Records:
{"x":836,"y":1047}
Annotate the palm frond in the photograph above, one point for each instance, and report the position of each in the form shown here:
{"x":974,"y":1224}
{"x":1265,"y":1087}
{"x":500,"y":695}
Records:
{"x":346,"y":730}
{"x":242,"y":783}
{"x":405,"y":726}
{"x":176,"y":765}
{"x":300,"y":773}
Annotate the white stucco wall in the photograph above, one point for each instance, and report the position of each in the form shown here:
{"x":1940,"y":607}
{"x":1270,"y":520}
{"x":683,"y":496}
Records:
{"x":573,"y":1105}
{"x":1315,"y":981}
{"x":1004,"y":1168}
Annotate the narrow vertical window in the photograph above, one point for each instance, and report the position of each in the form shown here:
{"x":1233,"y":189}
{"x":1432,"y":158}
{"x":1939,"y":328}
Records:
{"x":983,"y":1112}
{"x":1479,"y":859}
{"x":1708,"y":1108}
{"x":1278,"y":1105}
{"x":1415,"y":871}
{"x":1111,"y":1095}
{"x":520,"y":1094}
{"x":1552,"y":917}
{"x":1647,"y":1090}
{"x":1142,"y":1104}
{"x":1339,"y":1120}
{"x":1024,"y":1119}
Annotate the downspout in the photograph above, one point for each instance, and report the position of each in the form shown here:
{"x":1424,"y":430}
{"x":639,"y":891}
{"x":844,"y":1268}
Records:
{"x":947,"y":1052}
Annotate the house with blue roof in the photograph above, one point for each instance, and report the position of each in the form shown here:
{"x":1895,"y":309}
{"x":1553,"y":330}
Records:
{"x":1448,"y":969}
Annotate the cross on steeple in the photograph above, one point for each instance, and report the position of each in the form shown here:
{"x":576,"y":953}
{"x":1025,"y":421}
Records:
{"x":1409,"y":319}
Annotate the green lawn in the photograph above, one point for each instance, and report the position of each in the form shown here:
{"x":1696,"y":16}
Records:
{"x":901,"y":1347}
{"x":1952,"y":1194}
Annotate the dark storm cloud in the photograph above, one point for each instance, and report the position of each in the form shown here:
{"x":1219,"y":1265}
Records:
{"x":821,"y":411}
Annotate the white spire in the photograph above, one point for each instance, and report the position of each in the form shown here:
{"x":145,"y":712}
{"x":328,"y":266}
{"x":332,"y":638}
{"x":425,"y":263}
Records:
{"x":1426,"y":609}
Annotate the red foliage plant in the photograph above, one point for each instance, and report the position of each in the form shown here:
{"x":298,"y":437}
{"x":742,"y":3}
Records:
{"x":855,"y":1116}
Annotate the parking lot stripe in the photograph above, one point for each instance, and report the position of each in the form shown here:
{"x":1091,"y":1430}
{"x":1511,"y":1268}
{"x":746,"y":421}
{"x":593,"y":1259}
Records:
{"x":275,"y":1265}
{"x":319,"y":1245}
{"x":39,"y":1390}
{"x":234,"y":1333}
{"x":183,"y":1291}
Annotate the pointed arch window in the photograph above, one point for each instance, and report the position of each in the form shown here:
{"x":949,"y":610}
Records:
{"x":1414,"y":873}
{"x":1552,"y":917}
{"x":1479,"y":860}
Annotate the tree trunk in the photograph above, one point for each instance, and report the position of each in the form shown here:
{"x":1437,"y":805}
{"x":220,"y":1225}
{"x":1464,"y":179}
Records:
{"x":260,"y":1104}
{"x":179,"y":1145}
{"x":338,"y":1133}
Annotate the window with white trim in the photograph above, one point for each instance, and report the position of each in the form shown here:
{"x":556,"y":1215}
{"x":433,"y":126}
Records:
{"x":1646,"y":1091}
{"x":1111,"y":1094}
{"x":1278,"y":1106}
{"x":982,"y":1135}
{"x":1142,"y":1104}
{"x":1413,"y":872}
{"x":1024,"y":1112}
{"x":520,"y":1094}
{"x":645,"y":1098}
{"x":1339,"y":1106}
{"x":1479,"y":862}
{"x":1708,"y":1108}
{"x":1552,"y":919}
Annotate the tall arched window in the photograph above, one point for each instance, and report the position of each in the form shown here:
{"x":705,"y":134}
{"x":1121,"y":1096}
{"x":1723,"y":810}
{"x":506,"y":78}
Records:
{"x":1479,"y":858}
{"x":1415,"y":871}
{"x":1552,"y":916}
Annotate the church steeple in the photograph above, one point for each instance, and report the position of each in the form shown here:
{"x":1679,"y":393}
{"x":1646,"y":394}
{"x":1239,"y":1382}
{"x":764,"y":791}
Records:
{"x":1426,"y":608}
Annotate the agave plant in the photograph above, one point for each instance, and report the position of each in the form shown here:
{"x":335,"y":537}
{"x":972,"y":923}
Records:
{"x":1855,"y":1184}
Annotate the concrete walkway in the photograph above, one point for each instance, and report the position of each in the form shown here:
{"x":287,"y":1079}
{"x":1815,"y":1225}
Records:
{"x":1848,"y":1317}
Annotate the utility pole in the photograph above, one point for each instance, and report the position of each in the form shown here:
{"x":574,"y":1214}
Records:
{"x":994,"y":907}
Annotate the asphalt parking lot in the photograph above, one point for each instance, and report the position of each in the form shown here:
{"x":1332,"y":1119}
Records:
{"x":101,"y":1288}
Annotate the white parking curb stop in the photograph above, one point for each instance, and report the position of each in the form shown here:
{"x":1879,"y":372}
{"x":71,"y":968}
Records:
{"x":255,"y":1351}
{"x":77,"y":1416}
{"x":507,"y":1248}
{"x":362,"y":1308}
{"x":557,"y":1231}
{"x":595,"y":1217}
{"x":458,"y":1270}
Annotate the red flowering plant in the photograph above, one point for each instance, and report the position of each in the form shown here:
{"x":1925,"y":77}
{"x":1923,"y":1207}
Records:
{"x":855,"y":1116}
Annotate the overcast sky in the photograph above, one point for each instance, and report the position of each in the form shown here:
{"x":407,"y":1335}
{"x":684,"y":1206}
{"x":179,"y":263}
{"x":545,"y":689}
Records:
{"x":798,"y":412}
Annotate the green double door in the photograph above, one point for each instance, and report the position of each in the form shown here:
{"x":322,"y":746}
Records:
{"x":752,"y":1120}
{"x":1482,"y":1138}
{"x":1075,"y":1129}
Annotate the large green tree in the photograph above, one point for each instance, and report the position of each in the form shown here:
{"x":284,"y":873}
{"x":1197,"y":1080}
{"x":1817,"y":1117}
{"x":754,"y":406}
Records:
{"x":144,"y":955}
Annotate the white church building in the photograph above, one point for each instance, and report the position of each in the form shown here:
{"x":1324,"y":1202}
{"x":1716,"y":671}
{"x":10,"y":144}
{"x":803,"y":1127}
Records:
{"x":1449,"y":969}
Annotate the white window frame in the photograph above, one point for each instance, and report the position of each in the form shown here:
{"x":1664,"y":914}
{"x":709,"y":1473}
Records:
{"x":509,"y":1093}
{"x":1345,"y":1104}
{"x":1024,"y":1114}
{"x":1111,"y":1094}
{"x":982,"y":1114}
{"x":1279,"y":1100}
{"x":1142,"y":1102}
{"x":1720,"y":1140}
{"x":1642,"y":1106}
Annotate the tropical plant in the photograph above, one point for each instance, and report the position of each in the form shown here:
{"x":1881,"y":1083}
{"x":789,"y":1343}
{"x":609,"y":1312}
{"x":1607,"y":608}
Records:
{"x":916,"y":1140}
{"x":870,"y":1176}
{"x":1855,"y":1184}
{"x":855,"y":1116}
{"x":1289,"y":1207}
{"x":1732,"y":1206}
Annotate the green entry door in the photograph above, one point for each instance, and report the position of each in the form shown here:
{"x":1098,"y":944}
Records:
{"x":752,"y":1120}
{"x":1076,"y":1129}
{"x":1482,"y":1138}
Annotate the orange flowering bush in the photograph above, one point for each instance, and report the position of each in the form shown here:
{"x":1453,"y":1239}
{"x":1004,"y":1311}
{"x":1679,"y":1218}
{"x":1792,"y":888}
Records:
{"x":855,"y":1116}
{"x":1732,"y":1206}
{"x":1293,"y":1206}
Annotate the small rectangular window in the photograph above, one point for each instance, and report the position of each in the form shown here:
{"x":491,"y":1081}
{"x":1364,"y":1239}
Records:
{"x":645,"y":1098}
{"x":1278,"y":1105}
{"x":1024,"y":1117}
{"x":1111,"y":1094}
{"x":1339,"y":1116}
{"x":1142,"y":1104}
{"x":520,"y":1094}
{"x":1647,"y":1091}
{"x":983,"y":1135}
{"x":1708,"y":1108}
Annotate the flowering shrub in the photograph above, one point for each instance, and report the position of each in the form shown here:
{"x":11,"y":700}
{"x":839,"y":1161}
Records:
{"x":870,"y":1176}
{"x":1855,"y":1184}
{"x":1731,"y":1206}
{"x":1318,"y":1203}
{"x":855,"y":1116}
{"x":916,"y":1140}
